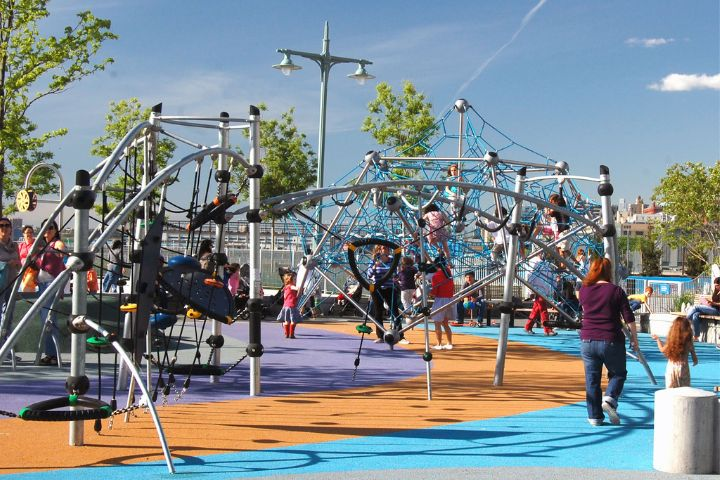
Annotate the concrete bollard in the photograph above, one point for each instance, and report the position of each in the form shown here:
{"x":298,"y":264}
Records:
{"x":717,"y":436}
{"x":684,"y":437}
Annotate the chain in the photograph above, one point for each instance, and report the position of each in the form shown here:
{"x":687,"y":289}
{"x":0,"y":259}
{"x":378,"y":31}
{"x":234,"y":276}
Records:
{"x":235,"y":364}
{"x":8,"y":414}
{"x":129,"y":409}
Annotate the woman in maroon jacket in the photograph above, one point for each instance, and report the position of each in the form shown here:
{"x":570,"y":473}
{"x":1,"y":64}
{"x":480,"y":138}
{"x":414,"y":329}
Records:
{"x":603,"y":341}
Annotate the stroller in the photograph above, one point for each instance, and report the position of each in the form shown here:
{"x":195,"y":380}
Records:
{"x":342,"y":305}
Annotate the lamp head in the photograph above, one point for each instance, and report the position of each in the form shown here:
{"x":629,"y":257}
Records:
{"x":287,"y":65}
{"x":361,"y":74}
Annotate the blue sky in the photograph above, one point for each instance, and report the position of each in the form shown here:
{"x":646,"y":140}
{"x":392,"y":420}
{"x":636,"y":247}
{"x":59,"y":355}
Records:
{"x":633,"y":85}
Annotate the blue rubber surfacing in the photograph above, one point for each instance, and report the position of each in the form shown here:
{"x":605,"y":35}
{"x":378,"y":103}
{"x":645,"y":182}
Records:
{"x":556,"y":437}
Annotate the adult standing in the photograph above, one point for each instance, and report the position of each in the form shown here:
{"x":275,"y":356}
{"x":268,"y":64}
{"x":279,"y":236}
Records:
{"x":29,"y":281}
{"x":51,"y":265}
{"x":388,"y":290}
{"x":27,"y":242}
{"x":603,"y":340}
{"x":111,"y":277}
{"x":9,"y":267}
{"x":711,"y":307}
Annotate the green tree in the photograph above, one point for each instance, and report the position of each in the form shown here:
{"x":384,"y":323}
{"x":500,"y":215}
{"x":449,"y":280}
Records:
{"x":625,"y":245}
{"x":651,"y":255}
{"x":289,"y":162}
{"x":32,"y":67}
{"x":690,"y":195}
{"x":695,"y":266}
{"x":404,"y":122}
{"x":123,"y":116}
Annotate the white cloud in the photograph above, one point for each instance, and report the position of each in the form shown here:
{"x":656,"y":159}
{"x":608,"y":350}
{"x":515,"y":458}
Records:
{"x":648,"y":42}
{"x":679,"y":82}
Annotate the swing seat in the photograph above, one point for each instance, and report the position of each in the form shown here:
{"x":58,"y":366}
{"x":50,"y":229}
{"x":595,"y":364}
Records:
{"x":184,"y":264}
{"x":363,"y":329}
{"x":47,"y":409}
{"x":128,"y":307}
{"x":98,"y":343}
{"x":209,"y":370}
{"x":161,"y":321}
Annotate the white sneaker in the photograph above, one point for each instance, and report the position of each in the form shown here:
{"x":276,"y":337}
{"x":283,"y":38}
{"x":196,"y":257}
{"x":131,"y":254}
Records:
{"x":595,"y":422}
{"x":404,"y":341}
{"x":612,"y":413}
{"x":437,"y":347}
{"x":448,"y":346}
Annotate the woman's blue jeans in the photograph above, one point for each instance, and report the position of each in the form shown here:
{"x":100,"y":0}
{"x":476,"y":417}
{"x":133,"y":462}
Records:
{"x":110,"y":280}
{"x":49,"y":348}
{"x":694,"y":316}
{"x":595,"y":354}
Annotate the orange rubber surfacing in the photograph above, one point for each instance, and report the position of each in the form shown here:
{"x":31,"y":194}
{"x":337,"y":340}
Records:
{"x":534,"y":379}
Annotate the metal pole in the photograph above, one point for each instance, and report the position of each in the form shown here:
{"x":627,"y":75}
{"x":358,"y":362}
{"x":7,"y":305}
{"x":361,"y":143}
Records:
{"x":146,"y":393}
{"x":325,"y":65}
{"x":605,"y":190}
{"x":222,"y":178}
{"x":255,"y":349}
{"x":510,"y":264}
{"x":83,"y":200}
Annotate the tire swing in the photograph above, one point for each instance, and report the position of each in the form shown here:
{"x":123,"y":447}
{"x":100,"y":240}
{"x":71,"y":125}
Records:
{"x":390,"y":336}
{"x":77,"y":387}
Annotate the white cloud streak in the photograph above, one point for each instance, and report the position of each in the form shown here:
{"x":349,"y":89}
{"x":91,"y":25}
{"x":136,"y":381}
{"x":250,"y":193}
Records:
{"x":648,"y":42}
{"x":525,"y":21}
{"x":680,"y":82}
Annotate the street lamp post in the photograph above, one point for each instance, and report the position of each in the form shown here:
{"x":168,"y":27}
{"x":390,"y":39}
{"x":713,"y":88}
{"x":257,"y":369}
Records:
{"x":325,"y":61}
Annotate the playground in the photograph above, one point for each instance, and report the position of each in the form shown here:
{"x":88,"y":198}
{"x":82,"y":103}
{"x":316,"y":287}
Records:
{"x":313,"y":420}
{"x":177,"y":379}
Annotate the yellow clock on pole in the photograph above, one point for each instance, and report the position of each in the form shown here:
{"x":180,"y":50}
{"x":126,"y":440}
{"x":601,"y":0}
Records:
{"x":26,"y":200}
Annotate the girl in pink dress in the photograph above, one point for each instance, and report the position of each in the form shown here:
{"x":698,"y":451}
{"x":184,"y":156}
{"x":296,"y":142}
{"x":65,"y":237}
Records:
{"x":290,"y":315}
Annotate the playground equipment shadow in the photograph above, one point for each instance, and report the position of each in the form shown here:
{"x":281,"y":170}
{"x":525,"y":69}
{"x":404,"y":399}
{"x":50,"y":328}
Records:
{"x":319,"y":418}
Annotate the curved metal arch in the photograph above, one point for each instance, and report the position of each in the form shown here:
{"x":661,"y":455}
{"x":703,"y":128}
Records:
{"x":104,"y":168}
{"x":283,"y":203}
{"x":99,"y":239}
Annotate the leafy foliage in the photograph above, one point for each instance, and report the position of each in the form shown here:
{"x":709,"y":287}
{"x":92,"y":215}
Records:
{"x":651,"y":255}
{"x":289,"y":162}
{"x":404,"y":122}
{"x":33,"y":67}
{"x":122,"y":117}
{"x":690,"y":194}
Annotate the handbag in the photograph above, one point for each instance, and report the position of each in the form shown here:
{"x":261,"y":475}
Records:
{"x":29,"y":280}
